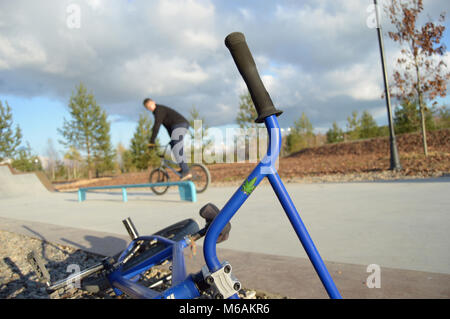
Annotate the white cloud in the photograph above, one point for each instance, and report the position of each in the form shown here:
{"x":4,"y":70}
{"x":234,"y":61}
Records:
{"x":246,"y":14}
{"x":163,"y":76}
{"x":95,"y":4}
{"x":20,"y":52}
{"x":189,"y":22}
{"x":360,"y":81}
{"x":316,"y":56}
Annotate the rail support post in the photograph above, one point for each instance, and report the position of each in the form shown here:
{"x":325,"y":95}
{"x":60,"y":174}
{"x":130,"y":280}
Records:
{"x":124,"y":195}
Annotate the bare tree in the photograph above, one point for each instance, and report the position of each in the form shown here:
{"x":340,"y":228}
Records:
{"x":74,"y":159}
{"x":52,"y":158}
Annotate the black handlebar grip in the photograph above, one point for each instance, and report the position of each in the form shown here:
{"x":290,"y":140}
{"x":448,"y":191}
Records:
{"x":242,"y":56}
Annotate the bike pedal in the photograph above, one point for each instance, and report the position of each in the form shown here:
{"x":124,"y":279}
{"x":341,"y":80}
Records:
{"x":38,"y":266}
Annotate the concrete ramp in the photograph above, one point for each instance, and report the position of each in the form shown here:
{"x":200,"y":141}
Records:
{"x":14,"y":184}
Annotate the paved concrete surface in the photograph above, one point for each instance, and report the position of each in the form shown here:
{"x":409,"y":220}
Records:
{"x":397,"y":225}
{"x":286,"y":276}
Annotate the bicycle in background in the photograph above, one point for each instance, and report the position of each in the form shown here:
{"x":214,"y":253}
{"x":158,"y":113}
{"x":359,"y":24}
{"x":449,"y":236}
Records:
{"x":200,"y":174}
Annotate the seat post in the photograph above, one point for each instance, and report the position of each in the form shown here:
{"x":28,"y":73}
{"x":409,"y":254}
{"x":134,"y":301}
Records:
{"x":131,"y":229}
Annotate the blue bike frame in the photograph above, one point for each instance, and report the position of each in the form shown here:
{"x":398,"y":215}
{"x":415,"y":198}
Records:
{"x":183,"y":286}
{"x":266,"y":168}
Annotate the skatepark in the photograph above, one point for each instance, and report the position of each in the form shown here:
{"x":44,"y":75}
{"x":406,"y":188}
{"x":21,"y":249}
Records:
{"x":402,"y":226}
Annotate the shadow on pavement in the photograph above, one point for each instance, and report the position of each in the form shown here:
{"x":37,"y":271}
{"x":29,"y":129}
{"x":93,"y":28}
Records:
{"x":99,"y":243}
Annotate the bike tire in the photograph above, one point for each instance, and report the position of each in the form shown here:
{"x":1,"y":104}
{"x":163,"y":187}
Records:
{"x":159,"y":175}
{"x":200,"y":177}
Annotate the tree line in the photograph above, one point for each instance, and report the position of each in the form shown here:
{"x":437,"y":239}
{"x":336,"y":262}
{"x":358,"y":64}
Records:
{"x":86,"y":138}
{"x":89,"y":152}
{"x":11,"y":148}
{"x":419,"y":77}
{"x":406,"y":120}
{"x":300,"y":135}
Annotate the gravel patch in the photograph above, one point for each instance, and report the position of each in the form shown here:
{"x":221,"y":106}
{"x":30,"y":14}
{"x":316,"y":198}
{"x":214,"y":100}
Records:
{"x":18,"y":280}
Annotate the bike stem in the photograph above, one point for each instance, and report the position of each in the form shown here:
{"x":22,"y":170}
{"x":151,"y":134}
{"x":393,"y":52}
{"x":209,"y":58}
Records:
{"x":266,"y":168}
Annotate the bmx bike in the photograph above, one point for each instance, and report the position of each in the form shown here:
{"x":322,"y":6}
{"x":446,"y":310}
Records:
{"x":216,"y":279}
{"x":200,"y":174}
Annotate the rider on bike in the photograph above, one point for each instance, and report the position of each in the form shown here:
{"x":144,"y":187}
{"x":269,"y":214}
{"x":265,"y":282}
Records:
{"x":177,"y":126}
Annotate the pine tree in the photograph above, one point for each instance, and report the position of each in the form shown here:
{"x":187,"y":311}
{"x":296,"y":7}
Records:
{"x":303,"y":126}
{"x":246,"y":120}
{"x":353,"y":126}
{"x":301,"y":135}
{"x":443,"y":118}
{"x":10,"y":138}
{"x":198,"y":132}
{"x":141,"y":155}
{"x":127,"y":161}
{"x":124,"y":158}
{"x":247,"y":113}
{"x":88,"y":130}
{"x":104,"y":154}
{"x":369,"y":128}
{"x":407,"y":118}
{"x":25,"y":161}
{"x":335,"y":134}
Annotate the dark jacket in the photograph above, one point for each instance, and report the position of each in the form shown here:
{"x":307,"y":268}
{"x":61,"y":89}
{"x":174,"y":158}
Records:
{"x":168,"y":117}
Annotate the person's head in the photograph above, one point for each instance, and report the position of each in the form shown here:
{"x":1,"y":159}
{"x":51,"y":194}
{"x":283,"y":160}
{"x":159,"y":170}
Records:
{"x":149,"y":104}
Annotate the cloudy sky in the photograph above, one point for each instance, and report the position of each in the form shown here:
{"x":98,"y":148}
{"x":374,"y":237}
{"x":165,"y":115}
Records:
{"x":315,"y":56}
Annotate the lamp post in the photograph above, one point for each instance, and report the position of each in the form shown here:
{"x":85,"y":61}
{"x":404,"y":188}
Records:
{"x":395,"y":160}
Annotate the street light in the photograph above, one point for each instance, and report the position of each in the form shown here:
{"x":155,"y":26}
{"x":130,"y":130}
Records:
{"x":395,"y":160}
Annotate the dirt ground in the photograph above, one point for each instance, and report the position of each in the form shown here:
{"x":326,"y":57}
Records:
{"x":359,"y":160}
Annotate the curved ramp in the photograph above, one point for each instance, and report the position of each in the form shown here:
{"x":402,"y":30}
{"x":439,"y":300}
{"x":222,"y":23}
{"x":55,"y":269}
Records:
{"x":14,"y":184}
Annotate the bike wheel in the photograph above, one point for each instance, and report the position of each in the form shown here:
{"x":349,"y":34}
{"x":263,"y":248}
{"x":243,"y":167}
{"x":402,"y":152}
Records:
{"x":159,"y":175}
{"x":200,"y":177}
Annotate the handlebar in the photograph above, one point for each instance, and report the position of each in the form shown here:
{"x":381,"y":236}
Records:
{"x":242,"y":56}
{"x":158,"y":151}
